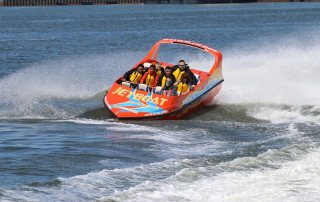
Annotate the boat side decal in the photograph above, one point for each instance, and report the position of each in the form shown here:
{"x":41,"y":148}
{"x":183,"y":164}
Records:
{"x":139,"y":102}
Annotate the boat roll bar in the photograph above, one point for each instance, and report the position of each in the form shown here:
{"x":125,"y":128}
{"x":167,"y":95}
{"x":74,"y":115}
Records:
{"x":153,"y":54}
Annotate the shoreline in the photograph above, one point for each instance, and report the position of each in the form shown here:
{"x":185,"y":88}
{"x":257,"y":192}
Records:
{"x":18,"y":3}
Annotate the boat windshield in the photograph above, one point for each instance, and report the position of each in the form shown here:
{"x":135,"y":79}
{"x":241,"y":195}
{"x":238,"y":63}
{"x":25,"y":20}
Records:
{"x":196,"y":58}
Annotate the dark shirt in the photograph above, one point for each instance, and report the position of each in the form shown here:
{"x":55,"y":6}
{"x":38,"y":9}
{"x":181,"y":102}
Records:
{"x":173,"y":80}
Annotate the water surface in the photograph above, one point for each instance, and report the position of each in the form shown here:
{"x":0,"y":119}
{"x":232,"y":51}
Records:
{"x":258,"y":142}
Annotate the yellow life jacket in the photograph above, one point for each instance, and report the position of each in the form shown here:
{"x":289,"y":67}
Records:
{"x":150,"y":80}
{"x":182,"y":88}
{"x":178,"y":73}
{"x":135,"y":77}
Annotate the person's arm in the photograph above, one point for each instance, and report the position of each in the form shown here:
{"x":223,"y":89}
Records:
{"x":190,"y":87}
{"x":174,"y":81}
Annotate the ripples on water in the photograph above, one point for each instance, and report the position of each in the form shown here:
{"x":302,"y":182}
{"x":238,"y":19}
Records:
{"x":258,"y":142}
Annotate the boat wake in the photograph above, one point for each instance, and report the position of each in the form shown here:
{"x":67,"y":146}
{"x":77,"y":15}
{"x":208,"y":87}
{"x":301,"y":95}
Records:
{"x":276,"y":173}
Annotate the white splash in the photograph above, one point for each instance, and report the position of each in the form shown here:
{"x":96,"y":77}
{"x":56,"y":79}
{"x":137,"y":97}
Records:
{"x":32,"y":91}
{"x":282,"y":73}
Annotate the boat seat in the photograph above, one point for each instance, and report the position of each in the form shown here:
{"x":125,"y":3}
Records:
{"x":146,"y":65}
{"x":157,"y":89}
{"x":126,"y":84}
{"x":143,"y":87}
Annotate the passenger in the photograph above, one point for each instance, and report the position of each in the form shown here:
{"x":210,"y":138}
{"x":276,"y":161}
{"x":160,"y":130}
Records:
{"x":150,"y":78}
{"x":133,"y":76}
{"x":178,"y":70}
{"x":160,"y":69}
{"x":167,"y":82}
{"x":184,"y":85}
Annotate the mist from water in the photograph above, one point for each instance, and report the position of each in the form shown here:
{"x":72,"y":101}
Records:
{"x":282,"y":73}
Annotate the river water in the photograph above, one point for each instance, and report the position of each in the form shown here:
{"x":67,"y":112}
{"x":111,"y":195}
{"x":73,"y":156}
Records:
{"x":258,"y":142}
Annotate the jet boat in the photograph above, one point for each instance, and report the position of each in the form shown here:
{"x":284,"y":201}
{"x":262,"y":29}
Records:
{"x":126,"y":102}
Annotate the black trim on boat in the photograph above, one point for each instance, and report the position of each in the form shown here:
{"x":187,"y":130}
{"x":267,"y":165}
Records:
{"x":187,"y":44}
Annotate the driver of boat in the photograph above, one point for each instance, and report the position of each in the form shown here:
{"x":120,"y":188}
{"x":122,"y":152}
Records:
{"x":180,"y":69}
{"x":134,"y":75}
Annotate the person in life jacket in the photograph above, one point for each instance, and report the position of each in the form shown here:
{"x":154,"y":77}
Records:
{"x":150,"y":78}
{"x":167,"y":82}
{"x":180,"y":69}
{"x":160,"y":69}
{"x":184,"y":85}
{"x":134,"y":75}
